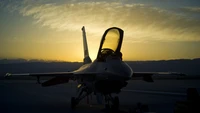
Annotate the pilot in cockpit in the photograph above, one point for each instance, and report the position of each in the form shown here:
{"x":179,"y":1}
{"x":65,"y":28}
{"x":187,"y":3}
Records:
{"x":109,"y":52}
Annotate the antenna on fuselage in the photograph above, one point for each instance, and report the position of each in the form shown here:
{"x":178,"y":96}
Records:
{"x":85,"y":48}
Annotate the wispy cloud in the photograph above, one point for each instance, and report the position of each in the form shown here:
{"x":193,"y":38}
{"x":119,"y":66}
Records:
{"x":140,"y":22}
{"x":191,"y":9}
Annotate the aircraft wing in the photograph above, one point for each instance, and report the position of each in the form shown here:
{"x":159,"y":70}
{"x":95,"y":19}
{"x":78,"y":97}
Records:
{"x":40,"y":74}
{"x":58,"y":77}
{"x":147,"y":76}
{"x":53,"y":74}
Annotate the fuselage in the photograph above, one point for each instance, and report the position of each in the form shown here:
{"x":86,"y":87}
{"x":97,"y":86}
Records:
{"x":111,"y":74}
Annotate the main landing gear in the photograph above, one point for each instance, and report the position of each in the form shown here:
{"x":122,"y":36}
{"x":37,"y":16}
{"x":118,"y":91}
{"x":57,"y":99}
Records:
{"x":85,"y":91}
{"x":108,"y":98}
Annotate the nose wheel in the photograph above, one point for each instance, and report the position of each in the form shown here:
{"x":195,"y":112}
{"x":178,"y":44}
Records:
{"x":114,"y":101}
{"x":74,"y":102}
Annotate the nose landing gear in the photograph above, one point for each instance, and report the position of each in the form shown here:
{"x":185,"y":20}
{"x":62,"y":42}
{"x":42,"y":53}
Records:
{"x":74,"y":102}
{"x":115,"y":103}
{"x":84,"y":92}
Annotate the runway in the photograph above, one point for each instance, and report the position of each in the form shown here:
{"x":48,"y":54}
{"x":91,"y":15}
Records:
{"x":26,"y":96}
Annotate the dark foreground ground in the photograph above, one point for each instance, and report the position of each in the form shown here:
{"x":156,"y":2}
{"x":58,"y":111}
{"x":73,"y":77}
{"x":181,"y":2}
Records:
{"x":26,"y":96}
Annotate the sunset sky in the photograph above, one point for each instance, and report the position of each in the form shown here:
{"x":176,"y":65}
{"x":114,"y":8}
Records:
{"x":51,"y":29}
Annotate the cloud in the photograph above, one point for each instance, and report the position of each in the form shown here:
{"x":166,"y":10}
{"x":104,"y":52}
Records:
{"x":141,"y":23}
{"x":191,"y":9}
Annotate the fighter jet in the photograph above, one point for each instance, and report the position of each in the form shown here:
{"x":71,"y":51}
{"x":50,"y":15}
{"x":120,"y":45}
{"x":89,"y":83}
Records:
{"x":107,"y":74}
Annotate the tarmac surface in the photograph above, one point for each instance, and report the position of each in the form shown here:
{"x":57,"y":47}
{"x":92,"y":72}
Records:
{"x":26,"y":96}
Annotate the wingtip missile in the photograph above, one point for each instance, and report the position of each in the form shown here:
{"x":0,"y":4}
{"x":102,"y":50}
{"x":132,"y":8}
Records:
{"x":7,"y":75}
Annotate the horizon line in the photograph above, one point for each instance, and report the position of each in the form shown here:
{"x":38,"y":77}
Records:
{"x":46,"y":60}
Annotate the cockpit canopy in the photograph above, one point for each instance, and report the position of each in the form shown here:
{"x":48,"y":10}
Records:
{"x":110,"y":43}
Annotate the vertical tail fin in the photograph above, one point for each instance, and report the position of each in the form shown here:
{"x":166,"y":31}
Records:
{"x":85,"y":48}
